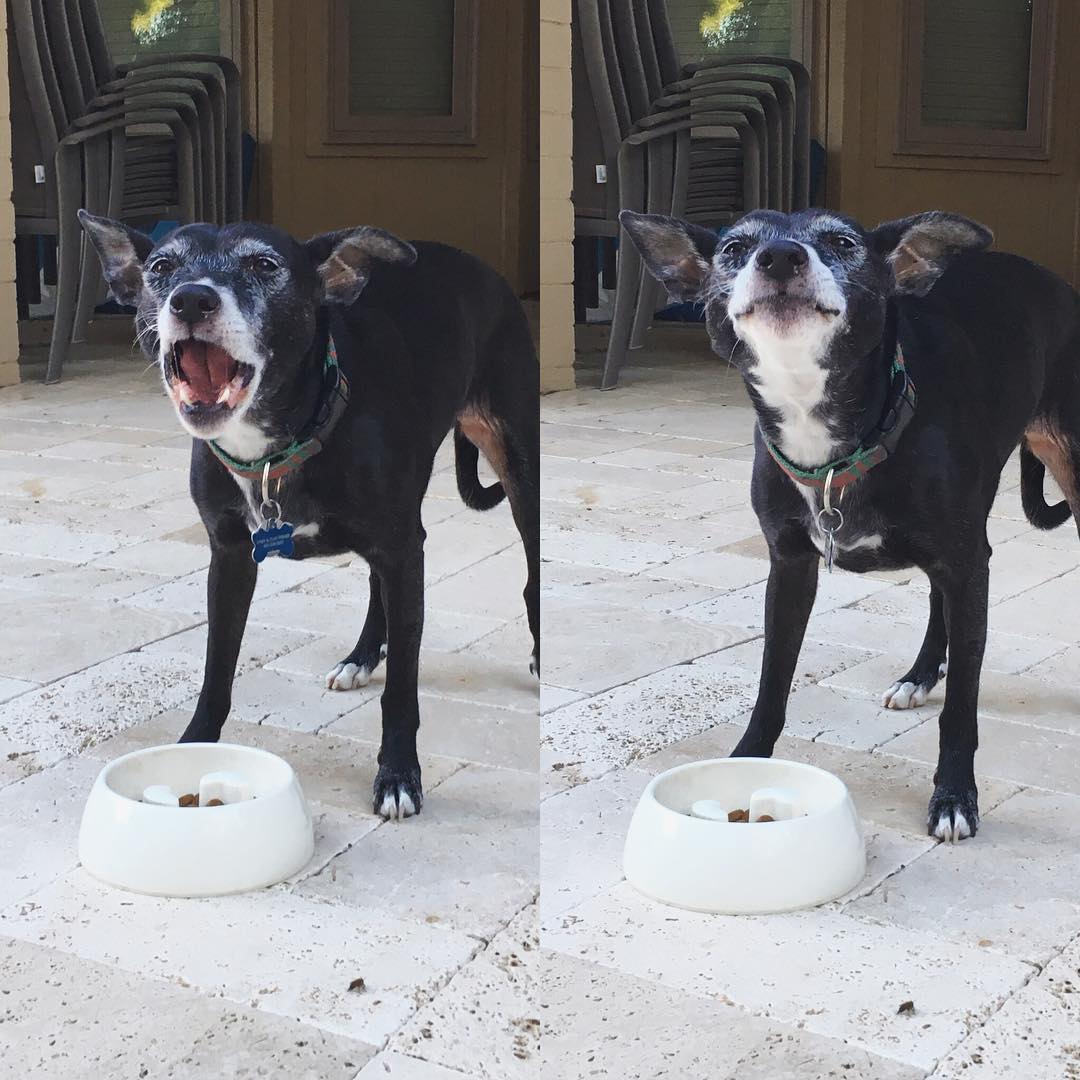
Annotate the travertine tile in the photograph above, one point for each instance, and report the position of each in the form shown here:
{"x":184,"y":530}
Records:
{"x":582,"y":832}
{"x":469,"y":861}
{"x":486,"y":1020}
{"x":592,"y":647}
{"x":1014,"y":888}
{"x":283,"y":953}
{"x":66,"y":1016}
{"x":1032,"y":1034}
{"x":832,"y":974}
{"x":39,"y":825}
{"x":96,"y":703}
{"x":483,"y":734}
{"x":1017,"y":753}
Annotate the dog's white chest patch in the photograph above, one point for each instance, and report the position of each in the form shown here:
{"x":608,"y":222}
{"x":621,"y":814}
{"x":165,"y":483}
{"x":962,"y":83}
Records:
{"x":791,"y":382}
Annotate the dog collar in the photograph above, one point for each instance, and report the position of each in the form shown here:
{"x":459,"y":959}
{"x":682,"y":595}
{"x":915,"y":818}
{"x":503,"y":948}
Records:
{"x":880,"y":445}
{"x":332,"y":402}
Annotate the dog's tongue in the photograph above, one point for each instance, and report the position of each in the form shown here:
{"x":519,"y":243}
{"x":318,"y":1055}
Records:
{"x":207,"y":369}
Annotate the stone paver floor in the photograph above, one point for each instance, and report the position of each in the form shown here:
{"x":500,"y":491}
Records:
{"x":102,"y":595}
{"x":654,"y":575}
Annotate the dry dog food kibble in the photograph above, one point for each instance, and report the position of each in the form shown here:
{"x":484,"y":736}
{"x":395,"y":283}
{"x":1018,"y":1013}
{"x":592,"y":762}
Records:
{"x":189,"y":800}
{"x":744,"y":816}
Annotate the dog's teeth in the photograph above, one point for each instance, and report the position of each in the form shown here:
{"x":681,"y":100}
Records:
{"x":186,"y":395}
{"x":225,"y":392}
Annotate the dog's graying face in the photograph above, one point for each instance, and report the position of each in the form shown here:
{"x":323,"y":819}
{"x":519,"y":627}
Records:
{"x":229,"y":312}
{"x":774,"y":282}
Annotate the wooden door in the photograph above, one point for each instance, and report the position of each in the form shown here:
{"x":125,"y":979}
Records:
{"x":406,"y":114}
{"x":964,"y":105}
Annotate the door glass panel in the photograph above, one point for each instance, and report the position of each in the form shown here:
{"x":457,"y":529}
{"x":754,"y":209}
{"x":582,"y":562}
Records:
{"x":138,"y":28}
{"x":976,"y":59}
{"x":401,"y":57}
{"x":704,"y":28}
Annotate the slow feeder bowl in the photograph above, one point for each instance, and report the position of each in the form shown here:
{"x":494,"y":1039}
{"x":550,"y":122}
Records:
{"x":262,"y":835}
{"x":682,"y":850}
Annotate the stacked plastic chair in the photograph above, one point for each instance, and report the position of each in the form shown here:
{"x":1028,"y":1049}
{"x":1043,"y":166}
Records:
{"x":155,"y":140}
{"x":707,"y":141}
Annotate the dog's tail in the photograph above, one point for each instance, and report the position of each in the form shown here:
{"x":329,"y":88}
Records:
{"x":1037,"y":510}
{"x":472,"y":492}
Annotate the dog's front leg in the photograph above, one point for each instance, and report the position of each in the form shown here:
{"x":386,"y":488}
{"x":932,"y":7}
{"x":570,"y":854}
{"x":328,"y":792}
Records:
{"x":954,"y":806}
{"x":229,"y":587}
{"x":398,"y":792}
{"x":789,"y":599}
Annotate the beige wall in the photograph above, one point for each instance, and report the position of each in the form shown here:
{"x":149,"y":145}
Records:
{"x":556,"y":212}
{"x":9,"y":331}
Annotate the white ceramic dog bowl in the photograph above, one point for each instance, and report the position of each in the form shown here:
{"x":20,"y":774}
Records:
{"x":259,"y":840}
{"x":812,"y":853}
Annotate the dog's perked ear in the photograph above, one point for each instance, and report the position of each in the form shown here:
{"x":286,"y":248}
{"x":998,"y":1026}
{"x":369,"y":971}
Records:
{"x":919,"y":248}
{"x":344,"y":259}
{"x":677,"y":254}
{"x":122,"y":251}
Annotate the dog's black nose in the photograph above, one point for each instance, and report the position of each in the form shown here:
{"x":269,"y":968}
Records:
{"x":782,"y":260}
{"x":193,"y":303}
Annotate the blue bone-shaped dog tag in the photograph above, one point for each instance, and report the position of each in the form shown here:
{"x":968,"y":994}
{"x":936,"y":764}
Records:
{"x":274,"y":538}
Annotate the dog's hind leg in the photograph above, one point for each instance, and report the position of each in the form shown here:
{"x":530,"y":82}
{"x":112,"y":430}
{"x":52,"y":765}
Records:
{"x":355,"y":670}
{"x":912,"y":689}
{"x":789,"y":599}
{"x":523,"y":490}
{"x":954,"y":807}
{"x":505,"y":427}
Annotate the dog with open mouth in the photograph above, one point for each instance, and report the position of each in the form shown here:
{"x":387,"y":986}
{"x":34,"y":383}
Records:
{"x":318,"y":380}
{"x":893,"y":372}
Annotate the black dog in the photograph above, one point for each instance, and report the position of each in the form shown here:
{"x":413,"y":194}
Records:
{"x":319,"y":380}
{"x":898,"y":368}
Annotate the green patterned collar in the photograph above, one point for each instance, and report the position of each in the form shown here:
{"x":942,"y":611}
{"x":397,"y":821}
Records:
{"x":880,"y":446}
{"x":332,"y":403}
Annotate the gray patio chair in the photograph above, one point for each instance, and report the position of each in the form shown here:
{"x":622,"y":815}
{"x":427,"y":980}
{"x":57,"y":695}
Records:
{"x":654,"y":180}
{"x":661,"y":55}
{"x":219,"y":73}
{"x":611,"y":95}
{"x":710,"y":192}
{"x":73,"y":25}
{"x":44,"y":132}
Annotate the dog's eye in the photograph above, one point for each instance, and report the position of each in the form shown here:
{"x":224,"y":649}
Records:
{"x":161,"y":266}
{"x":841,"y":241}
{"x":735,"y":249}
{"x":265,"y":265}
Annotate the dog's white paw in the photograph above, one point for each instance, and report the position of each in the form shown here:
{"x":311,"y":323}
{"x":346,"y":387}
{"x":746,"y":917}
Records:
{"x":952,"y":827}
{"x":904,"y":695}
{"x":345,"y":676}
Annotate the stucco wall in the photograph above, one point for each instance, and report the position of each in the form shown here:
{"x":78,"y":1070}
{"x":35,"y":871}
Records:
{"x":556,"y":212}
{"x":9,"y":329}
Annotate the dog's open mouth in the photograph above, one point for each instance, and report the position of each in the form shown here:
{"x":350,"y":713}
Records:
{"x":205,"y":378}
